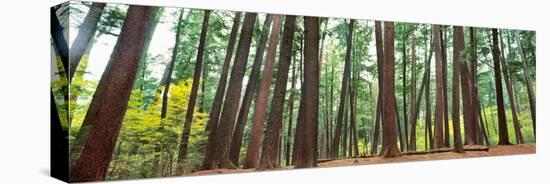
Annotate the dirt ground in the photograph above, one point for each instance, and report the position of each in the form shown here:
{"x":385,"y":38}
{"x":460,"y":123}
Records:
{"x":492,"y":151}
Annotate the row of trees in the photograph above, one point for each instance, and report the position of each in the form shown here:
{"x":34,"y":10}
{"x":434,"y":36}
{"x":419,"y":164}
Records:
{"x":197,"y":120}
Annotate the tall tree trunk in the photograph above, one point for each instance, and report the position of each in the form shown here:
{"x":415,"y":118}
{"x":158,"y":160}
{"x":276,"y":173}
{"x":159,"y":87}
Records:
{"x":502,"y":123}
{"x":510,"y":91}
{"x":307,"y":155}
{"x":425,"y":78}
{"x":529,"y":85}
{"x":439,"y":104}
{"x":224,"y":131}
{"x":403,"y":139}
{"x":85,"y":33}
{"x":214,"y":116}
{"x":109,"y":103}
{"x":458,"y":47}
{"x":249,"y":93}
{"x":260,"y":107}
{"x":290,"y":111}
{"x":473,"y":83}
{"x":428,"y":103}
{"x":343,"y":92}
{"x":275,"y":119}
{"x":182,"y":153}
{"x":164,"y":106}
{"x":412,"y":119}
{"x":446,"y":134}
{"x":389,"y":113}
{"x":467,"y":101}
{"x":379,"y":64}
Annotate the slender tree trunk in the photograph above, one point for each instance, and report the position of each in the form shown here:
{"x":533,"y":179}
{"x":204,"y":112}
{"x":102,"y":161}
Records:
{"x":260,"y":107}
{"x":307,"y":155}
{"x":467,"y":101}
{"x":379,"y":64}
{"x":439,"y":104}
{"x":458,"y":46}
{"x":214,"y":117}
{"x":182,"y":153}
{"x":164,"y":106}
{"x":425,"y":79}
{"x":473,"y":83}
{"x":224,"y":130}
{"x":502,"y":123}
{"x":428,"y":103}
{"x":290,"y":111}
{"x":412,"y":119}
{"x":249,"y":93}
{"x":446,"y":134}
{"x":529,"y":85}
{"x":111,"y":98}
{"x":510,"y":91}
{"x":403,"y":139}
{"x":275,"y":120}
{"x":85,"y":33}
{"x":343,"y":92}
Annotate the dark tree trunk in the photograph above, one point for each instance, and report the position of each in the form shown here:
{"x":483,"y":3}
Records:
{"x":529,"y":85}
{"x":416,"y":112}
{"x":343,"y":92}
{"x":389,"y":113}
{"x":275,"y":119}
{"x":110,"y":100}
{"x":510,"y":91}
{"x":182,"y":153}
{"x":260,"y":108}
{"x":249,"y":93}
{"x":439,"y":104}
{"x":428,"y":103}
{"x":412,"y":119}
{"x":224,"y":130}
{"x":379,"y":64}
{"x":470,"y":126}
{"x":461,"y":73}
{"x":85,"y":33}
{"x":403,"y":139}
{"x":307,"y":155}
{"x":446,"y":134}
{"x":502,"y":123}
{"x":473,"y":78}
{"x":214,"y":117}
{"x":290,"y":112}
{"x":59,"y":40}
{"x":164,"y":106}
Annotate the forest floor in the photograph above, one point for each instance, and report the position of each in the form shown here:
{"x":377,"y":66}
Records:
{"x":475,"y":151}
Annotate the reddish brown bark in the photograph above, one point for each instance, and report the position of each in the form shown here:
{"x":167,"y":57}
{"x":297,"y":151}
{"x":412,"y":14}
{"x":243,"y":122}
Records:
{"x":111,"y":98}
{"x":439,"y":104}
{"x":249,"y":93}
{"x":379,"y":63}
{"x":260,"y":108}
{"x":460,"y":74}
{"x":389,"y":110}
{"x":224,"y":131}
{"x":214,"y":117}
{"x":275,"y":119}
{"x":307,"y":155}
{"x":502,"y":124}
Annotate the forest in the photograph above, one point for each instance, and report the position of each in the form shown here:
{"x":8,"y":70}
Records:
{"x":145,"y":91}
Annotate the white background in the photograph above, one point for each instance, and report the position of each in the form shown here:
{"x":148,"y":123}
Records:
{"x":24,"y":98}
